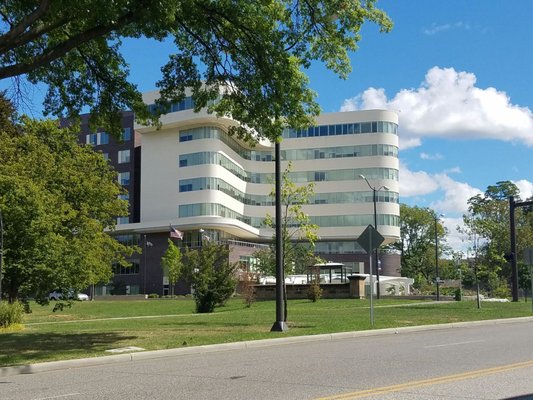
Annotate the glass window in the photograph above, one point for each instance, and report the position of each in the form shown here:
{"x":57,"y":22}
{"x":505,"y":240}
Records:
{"x":123,"y":220}
{"x":103,"y":138}
{"x":124,"y":178}
{"x":123,"y":156}
{"x":126,"y":134}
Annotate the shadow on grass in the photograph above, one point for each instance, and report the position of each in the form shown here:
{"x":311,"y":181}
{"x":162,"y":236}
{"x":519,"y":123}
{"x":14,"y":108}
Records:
{"x":23,"y":348}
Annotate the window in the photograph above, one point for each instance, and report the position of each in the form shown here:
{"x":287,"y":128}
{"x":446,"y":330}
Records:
{"x":91,"y":138}
{"x":103,"y":138}
{"x":106,"y":156}
{"x":320,"y":176}
{"x":124,"y":178}
{"x":126,"y":134}
{"x":123,"y":220}
{"x":123,"y":156}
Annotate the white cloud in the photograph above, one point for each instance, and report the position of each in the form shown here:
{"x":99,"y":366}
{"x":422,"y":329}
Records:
{"x":427,"y":156}
{"x":454,"y":170}
{"x":416,"y":183}
{"x":445,"y":27}
{"x":526,"y":189}
{"x":436,"y":29}
{"x":448,"y":104}
{"x":454,"y":193}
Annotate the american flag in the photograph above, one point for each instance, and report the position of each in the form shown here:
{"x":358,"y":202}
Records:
{"x":174,"y":233}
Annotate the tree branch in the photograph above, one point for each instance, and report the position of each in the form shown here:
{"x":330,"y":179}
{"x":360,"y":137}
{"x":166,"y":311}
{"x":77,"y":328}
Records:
{"x":32,"y":34}
{"x":63,"y":48}
{"x":10,"y":37}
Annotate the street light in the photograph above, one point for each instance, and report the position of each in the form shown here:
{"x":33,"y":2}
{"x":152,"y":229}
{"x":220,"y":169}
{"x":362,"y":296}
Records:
{"x":146,"y":245}
{"x":374,"y":196}
{"x":437,"y":279}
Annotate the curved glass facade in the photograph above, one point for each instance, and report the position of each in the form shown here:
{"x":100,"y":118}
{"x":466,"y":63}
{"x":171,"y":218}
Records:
{"x":197,"y":184}
{"x":219,"y":210}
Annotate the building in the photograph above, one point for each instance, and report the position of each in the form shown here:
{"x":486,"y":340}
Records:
{"x":204,"y":182}
{"x":123,"y":155}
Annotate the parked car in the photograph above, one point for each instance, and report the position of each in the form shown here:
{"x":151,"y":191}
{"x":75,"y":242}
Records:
{"x":57,"y":295}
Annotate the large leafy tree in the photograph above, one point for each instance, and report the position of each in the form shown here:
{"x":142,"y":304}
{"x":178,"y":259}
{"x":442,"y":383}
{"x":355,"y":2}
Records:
{"x":247,"y":54}
{"x":56,"y":198}
{"x":417,"y":242}
{"x":487,"y":221}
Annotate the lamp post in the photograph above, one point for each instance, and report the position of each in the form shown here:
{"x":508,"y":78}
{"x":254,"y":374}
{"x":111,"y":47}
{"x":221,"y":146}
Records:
{"x":374,"y":197}
{"x":437,"y":278}
{"x":146,"y":245}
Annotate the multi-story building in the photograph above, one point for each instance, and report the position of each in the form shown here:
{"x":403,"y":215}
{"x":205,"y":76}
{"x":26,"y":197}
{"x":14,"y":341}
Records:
{"x":205,"y":182}
{"x":123,"y":155}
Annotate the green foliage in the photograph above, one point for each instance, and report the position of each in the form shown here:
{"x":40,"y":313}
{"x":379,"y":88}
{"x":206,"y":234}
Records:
{"x":247,"y":54}
{"x":212,"y":277}
{"x":417,"y":242}
{"x":57,"y":198}
{"x":172,"y":264}
{"x":314,"y":291}
{"x":11,"y":313}
{"x":298,"y":233}
{"x":487,"y":229}
{"x":248,"y":291}
{"x":153,"y":296}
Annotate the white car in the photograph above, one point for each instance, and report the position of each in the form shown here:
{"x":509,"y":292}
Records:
{"x":56,"y":295}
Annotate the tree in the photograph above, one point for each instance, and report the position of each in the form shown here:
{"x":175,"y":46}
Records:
{"x":172,"y":263}
{"x":298,"y":234}
{"x":57,"y":198}
{"x":247,"y":54}
{"x":488,"y":220}
{"x":212,"y":276}
{"x":417,"y":242}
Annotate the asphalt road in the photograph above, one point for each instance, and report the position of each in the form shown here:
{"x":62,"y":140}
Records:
{"x":491,"y":361}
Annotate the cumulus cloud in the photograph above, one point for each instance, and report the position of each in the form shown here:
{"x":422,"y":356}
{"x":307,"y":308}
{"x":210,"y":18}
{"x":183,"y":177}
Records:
{"x":454,"y":193}
{"x":416,"y":183}
{"x":448,"y":104}
{"x":526,"y":189}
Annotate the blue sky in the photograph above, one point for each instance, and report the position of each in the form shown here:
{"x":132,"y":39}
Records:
{"x":460,"y":75}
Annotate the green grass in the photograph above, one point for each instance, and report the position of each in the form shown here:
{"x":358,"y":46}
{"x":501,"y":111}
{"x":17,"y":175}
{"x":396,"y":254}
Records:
{"x":88,"y":328}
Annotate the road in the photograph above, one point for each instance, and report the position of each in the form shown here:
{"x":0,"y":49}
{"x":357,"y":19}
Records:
{"x":478,"y":362}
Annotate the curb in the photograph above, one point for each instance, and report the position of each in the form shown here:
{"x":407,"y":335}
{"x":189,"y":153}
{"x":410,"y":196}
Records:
{"x":252,"y":344}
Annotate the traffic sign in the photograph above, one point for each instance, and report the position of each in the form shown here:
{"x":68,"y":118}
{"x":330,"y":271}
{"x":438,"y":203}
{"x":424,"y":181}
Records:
{"x":370,"y":239}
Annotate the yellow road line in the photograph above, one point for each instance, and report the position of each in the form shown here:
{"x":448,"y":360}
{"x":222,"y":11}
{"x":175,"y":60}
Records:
{"x":428,"y":382}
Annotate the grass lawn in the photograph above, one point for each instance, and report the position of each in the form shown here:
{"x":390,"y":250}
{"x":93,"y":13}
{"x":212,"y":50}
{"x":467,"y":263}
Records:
{"x":88,"y":329}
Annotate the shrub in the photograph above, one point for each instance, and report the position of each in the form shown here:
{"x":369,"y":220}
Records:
{"x":211,"y":275}
{"x":314,"y":292}
{"x":248,"y":292}
{"x":10,"y":313}
{"x":153,"y":296}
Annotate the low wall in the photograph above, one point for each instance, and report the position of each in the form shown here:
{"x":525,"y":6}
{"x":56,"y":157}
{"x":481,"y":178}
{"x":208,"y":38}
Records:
{"x":329,"y":291}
